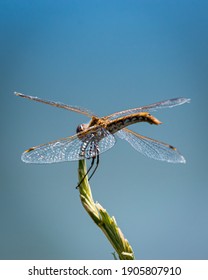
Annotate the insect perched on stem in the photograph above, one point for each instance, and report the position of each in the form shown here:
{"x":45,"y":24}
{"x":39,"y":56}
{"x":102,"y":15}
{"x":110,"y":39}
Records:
{"x":98,"y":136}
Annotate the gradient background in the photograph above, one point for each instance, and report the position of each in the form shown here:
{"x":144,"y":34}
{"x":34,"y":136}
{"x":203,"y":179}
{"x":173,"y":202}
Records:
{"x":105,"y":56}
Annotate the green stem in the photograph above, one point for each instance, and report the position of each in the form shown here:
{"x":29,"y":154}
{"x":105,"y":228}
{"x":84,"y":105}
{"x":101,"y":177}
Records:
{"x":102,"y":219}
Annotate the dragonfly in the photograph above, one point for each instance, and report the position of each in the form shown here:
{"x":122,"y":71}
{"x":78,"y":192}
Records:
{"x":98,"y":135}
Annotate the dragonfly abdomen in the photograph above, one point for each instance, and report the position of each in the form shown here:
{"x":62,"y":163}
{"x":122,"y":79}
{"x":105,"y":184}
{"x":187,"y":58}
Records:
{"x":118,"y":124}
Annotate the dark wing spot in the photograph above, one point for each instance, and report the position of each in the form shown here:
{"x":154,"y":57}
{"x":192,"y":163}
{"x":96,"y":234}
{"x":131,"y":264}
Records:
{"x":29,"y":150}
{"x":173,"y":148}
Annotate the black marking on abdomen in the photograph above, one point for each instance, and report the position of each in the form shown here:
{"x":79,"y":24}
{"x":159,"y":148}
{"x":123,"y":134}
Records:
{"x":122,"y":122}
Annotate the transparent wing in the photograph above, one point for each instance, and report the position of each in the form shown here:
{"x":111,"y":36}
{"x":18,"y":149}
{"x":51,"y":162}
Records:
{"x":153,"y":107}
{"x":65,"y":149}
{"x":150,"y":147}
{"x":57,"y":104}
{"x":68,"y":149}
{"x":107,"y":142}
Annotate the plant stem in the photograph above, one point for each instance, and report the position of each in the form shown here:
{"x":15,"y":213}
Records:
{"x":102,"y":219}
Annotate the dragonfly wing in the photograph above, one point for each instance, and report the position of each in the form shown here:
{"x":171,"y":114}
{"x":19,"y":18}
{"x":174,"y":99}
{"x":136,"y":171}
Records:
{"x":69,"y":148}
{"x":150,"y":147}
{"x":153,"y":107}
{"x":107,"y":141}
{"x":57,"y":104}
{"x":65,"y":149}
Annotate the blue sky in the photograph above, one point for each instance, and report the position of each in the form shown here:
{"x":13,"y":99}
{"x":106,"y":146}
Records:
{"x":106,"y":56}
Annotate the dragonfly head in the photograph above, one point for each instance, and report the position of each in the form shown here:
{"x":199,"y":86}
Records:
{"x":81,"y":127}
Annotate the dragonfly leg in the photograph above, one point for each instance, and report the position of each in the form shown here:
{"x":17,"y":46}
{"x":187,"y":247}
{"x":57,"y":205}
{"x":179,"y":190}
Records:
{"x":97,"y":163}
{"x":91,"y":165}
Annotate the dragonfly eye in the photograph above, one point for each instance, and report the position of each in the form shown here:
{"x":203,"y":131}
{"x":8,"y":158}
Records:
{"x":80,"y":128}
